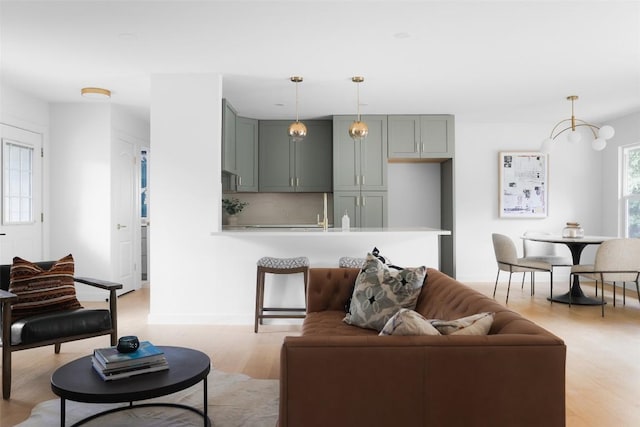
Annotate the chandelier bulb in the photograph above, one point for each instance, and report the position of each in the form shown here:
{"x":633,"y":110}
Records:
{"x":546,"y":146}
{"x":574,"y":137}
{"x":599,"y":144}
{"x":606,"y":132}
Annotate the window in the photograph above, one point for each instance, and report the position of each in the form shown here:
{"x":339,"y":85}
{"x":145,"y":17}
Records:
{"x":631,"y":190}
{"x":17,"y":183}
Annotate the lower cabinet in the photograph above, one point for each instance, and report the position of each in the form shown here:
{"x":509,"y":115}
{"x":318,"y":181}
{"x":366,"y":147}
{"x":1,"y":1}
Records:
{"x":365,"y":208}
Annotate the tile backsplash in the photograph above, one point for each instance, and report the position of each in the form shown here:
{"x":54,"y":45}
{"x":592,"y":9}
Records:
{"x":282,"y":208}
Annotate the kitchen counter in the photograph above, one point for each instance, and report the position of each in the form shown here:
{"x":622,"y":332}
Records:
{"x":405,"y":246}
{"x":311,"y":230}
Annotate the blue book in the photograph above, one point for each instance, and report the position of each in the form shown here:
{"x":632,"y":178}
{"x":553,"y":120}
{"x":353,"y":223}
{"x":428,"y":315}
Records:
{"x":111,"y":357}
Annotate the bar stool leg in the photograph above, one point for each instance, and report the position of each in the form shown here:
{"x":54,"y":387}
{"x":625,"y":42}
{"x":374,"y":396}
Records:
{"x":259,"y":299}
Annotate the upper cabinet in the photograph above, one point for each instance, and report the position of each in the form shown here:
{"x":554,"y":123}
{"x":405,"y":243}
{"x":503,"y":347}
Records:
{"x":360,"y":165}
{"x":229,"y":156}
{"x":246,"y":154}
{"x":286,"y":166}
{"x":421,"y":137}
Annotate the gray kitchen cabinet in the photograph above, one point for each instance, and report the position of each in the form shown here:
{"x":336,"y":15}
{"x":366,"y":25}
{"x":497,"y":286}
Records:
{"x":229,"y":156}
{"x":286,"y":166}
{"x":420,"y":137}
{"x":365,"y":208}
{"x":246,"y":154}
{"x":360,"y":165}
{"x":360,"y":172}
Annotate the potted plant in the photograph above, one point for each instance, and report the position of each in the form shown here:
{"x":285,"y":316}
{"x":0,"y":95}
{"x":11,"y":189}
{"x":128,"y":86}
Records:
{"x":233,"y":207}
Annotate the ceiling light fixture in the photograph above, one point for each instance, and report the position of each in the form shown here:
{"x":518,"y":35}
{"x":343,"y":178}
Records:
{"x":297,"y":129}
{"x":358,"y":129}
{"x":95,"y":93}
{"x":600,"y":137}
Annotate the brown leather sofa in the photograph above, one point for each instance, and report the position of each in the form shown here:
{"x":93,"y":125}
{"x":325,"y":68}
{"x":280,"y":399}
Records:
{"x":341,"y":375}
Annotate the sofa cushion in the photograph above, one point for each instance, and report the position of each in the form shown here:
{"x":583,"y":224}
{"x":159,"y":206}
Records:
{"x":408,"y":322}
{"x":477,"y":324}
{"x":381,"y":290}
{"x":42,"y":291}
{"x":329,"y":323}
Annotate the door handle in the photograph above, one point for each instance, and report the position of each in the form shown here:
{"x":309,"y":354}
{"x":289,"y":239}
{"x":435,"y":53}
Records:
{"x":121,"y":226}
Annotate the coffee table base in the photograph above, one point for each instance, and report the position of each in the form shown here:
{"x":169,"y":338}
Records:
{"x":205,"y":417}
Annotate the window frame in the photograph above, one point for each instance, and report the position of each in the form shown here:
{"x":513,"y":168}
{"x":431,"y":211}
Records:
{"x":6,"y":184}
{"x":627,"y":197}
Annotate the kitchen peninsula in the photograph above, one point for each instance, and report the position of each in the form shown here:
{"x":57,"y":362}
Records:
{"x":408,"y":247}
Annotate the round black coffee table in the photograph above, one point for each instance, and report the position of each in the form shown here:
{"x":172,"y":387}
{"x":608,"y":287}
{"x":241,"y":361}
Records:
{"x":78,"y":381}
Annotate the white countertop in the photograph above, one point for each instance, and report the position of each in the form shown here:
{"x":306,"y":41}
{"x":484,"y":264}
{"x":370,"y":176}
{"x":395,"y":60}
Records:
{"x":318,"y":231}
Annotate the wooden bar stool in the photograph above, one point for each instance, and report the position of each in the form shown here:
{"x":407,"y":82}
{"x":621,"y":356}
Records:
{"x":279,"y":266}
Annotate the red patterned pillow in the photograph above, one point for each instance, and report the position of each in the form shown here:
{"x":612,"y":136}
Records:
{"x":41,"y":291}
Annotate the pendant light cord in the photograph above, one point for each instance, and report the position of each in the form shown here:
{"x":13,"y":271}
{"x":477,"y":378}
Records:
{"x":358,"y":99}
{"x":296,"y":102}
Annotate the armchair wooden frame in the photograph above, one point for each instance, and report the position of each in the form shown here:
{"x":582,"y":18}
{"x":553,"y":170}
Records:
{"x":7,"y":298}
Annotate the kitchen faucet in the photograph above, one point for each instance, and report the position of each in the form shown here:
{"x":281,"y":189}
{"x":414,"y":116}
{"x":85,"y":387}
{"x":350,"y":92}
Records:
{"x":325,"y":221}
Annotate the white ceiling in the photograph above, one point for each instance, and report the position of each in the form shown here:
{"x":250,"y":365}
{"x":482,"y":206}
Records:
{"x":496,"y":61}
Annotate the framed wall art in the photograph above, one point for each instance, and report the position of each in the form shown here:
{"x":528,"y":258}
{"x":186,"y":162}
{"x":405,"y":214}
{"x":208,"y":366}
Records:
{"x":524,"y":187}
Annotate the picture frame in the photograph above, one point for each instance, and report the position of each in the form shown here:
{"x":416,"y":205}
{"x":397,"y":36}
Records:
{"x":524,"y":184}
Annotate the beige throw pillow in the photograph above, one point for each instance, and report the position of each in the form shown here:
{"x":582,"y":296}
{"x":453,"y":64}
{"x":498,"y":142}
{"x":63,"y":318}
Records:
{"x":476,"y":324}
{"x":408,"y":322}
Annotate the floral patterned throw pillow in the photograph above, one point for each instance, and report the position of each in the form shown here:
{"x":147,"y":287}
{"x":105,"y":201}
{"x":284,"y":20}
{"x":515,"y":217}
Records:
{"x":381,"y":290}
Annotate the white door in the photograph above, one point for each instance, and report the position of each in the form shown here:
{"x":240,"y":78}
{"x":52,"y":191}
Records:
{"x":21,"y":195}
{"x":125,"y":217}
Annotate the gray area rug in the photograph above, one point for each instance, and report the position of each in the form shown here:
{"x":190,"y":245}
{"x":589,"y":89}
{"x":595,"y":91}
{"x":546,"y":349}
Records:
{"x":235,"y":400}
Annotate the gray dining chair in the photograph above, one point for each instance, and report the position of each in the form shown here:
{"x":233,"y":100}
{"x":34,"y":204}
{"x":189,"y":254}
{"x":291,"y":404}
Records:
{"x":617,"y":260}
{"x":543,"y":252}
{"x":507,"y":259}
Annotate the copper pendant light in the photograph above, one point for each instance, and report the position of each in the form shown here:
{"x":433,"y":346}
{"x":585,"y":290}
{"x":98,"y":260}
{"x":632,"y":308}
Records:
{"x":297,"y":130}
{"x":358,"y":129}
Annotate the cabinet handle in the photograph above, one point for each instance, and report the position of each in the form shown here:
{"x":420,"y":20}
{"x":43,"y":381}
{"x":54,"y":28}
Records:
{"x":290,"y":182}
{"x":364,"y":201}
{"x":357,"y":201}
{"x":362,"y":179}
{"x":297,"y":182}
{"x":423,"y":147}
{"x":357,"y":179}
{"x":239,"y":180}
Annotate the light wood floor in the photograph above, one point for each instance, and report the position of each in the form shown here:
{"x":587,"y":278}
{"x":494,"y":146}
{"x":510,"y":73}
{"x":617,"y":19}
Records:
{"x":603,"y":356}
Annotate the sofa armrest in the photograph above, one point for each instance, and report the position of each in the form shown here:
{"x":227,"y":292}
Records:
{"x":418,"y":381}
{"x":330,"y":288}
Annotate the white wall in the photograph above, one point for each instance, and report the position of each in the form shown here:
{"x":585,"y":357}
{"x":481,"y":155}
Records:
{"x":627,"y":133}
{"x":81,"y":186}
{"x":83,"y":135}
{"x":414,"y":194}
{"x":185,"y":188}
{"x":575,"y":185}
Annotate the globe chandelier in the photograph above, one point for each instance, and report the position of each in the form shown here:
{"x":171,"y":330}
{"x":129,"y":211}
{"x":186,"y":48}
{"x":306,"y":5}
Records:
{"x":600,"y":134}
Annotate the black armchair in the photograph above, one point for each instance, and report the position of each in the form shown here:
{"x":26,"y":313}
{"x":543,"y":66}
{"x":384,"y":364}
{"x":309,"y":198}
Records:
{"x":54,"y":327}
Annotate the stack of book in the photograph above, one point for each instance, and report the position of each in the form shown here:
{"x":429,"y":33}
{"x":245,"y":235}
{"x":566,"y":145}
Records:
{"x":110,"y":364}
